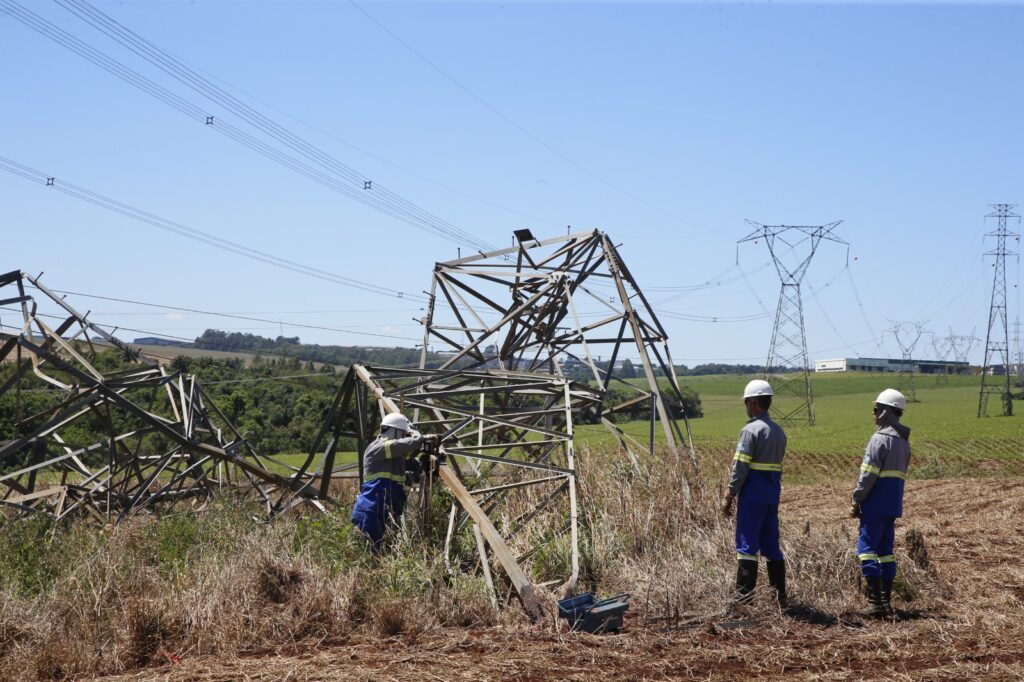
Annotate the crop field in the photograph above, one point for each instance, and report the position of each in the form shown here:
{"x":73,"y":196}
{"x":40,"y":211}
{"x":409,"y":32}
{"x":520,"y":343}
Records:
{"x":960,"y":597}
{"x":948,"y":439}
{"x":222,"y":595}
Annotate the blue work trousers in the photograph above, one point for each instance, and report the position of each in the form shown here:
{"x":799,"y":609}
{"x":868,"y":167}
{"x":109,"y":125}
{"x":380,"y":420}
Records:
{"x":874,"y":547}
{"x":757,"y":530}
{"x":378,"y":508}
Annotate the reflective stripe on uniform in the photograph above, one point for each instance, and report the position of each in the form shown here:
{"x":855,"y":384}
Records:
{"x":765,"y":467}
{"x":741,"y":457}
{"x":887,"y":559}
{"x":869,"y":469}
{"x":892,"y":473}
{"x":745,"y":557}
{"x":868,"y":557}
{"x":387,"y":449}
{"x":397,"y":478}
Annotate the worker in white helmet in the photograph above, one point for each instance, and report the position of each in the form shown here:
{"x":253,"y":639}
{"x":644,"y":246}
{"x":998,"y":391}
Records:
{"x":878,"y":499}
{"x":757,"y":481}
{"x":382,"y":496}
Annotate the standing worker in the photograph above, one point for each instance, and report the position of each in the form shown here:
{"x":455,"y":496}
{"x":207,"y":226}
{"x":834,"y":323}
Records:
{"x":382,"y":495}
{"x":878,"y":499}
{"x":757,"y":481}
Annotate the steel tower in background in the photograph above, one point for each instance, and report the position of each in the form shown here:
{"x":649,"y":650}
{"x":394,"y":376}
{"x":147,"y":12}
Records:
{"x":997,"y":341}
{"x":961,"y":345}
{"x":943,"y":348}
{"x":788,"y":350}
{"x":907,"y":336}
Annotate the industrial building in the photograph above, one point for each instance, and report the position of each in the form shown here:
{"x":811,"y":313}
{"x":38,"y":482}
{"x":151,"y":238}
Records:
{"x":892,"y":365}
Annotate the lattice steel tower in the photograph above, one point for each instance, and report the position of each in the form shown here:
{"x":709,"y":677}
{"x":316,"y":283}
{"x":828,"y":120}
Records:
{"x":997,"y":341}
{"x":961,"y":345}
{"x":789,"y":339}
{"x":942,"y":347}
{"x":907,"y":336}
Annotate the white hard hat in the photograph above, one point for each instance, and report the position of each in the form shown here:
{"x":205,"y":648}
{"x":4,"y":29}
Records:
{"x":395,"y":420}
{"x":757,"y":387}
{"x":892,"y":398}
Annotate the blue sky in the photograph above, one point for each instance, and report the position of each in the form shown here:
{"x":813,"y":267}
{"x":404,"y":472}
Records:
{"x":902,"y":120}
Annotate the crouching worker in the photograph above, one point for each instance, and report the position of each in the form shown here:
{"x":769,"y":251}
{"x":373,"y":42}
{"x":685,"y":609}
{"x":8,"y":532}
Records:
{"x":878,"y":499}
{"x":382,"y":497}
{"x":757,"y":482}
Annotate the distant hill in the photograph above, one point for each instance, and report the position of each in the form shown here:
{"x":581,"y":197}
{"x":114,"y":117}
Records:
{"x":292,"y":347}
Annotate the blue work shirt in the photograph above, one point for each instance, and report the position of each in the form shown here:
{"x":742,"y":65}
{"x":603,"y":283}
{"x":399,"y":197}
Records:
{"x":757,"y":463}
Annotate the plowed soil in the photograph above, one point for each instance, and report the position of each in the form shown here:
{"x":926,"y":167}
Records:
{"x":973,"y":533}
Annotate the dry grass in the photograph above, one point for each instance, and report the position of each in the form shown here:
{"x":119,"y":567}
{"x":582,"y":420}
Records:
{"x":225,"y":598}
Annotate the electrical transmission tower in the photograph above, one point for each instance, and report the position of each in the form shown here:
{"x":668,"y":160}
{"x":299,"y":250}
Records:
{"x":997,"y":341}
{"x":961,"y":345}
{"x":788,"y":350}
{"x":907,"y":336}
{"x":942,"y":347}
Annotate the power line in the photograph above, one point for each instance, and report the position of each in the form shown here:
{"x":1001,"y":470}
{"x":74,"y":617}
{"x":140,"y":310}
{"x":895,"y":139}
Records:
{"x":350,"y":183}
{"x":815,"y":297}
{"x":113,"y":328}
{"x":170,"y":65}
{"x":497,"y":112}
{"x":273,"y":312}
{"x":229,"y":315}
{"x":207,"y":238}
{"x":712,"y":318}
{"x":366,"y":152}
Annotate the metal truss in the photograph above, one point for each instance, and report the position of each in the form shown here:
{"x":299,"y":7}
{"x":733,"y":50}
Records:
{"x":566,"y":306}
{"x":943,"y":347}
{"x":507,"y":456}
{"x":907,"y":336}
{"x":534,"y":335}
{"x":794,"y":400}
{"x":161,"y":441}
{"x":997,"y":340}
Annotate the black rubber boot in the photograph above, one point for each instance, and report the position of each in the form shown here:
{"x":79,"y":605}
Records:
{"x":890,"y":612}
{"x":777,"y":580}
{"x":746,"y":580}
{"x":876,"y":609}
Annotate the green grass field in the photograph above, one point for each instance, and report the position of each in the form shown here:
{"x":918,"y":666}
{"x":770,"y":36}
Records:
{"x":948,"y":438}
{"x":280,"y":463}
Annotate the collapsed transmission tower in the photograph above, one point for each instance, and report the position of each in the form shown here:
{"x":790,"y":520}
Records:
{"x":557,"y":307}
{"x":107,"y":444}
{"x":997,"y":340}
{"x":532,"y":338}
{"x":907,"y":336}
{"x":788,"y":350}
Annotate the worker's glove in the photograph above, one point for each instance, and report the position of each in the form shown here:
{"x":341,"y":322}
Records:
{"x":855,"y":510}
{"x":413,"y":471}
{"x":429,"y":444}
{"x":727,"y":504}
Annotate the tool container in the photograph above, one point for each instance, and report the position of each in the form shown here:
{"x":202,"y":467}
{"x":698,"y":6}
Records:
{"x":589,"y":614}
